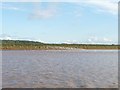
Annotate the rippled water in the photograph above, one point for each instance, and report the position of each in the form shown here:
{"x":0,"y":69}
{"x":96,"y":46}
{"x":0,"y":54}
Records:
{"x":62,"y":69}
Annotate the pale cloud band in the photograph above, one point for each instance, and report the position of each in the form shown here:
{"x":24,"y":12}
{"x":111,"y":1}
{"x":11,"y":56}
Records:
{"x":90,"y":40}
{"x":110,"y":6}
{"x":99,"y":40}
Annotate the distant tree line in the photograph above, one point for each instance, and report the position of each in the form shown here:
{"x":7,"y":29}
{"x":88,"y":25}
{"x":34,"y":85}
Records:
{"x":34,"y":45}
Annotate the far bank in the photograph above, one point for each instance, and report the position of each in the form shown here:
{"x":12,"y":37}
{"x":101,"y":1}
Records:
{"x":32,"y":45}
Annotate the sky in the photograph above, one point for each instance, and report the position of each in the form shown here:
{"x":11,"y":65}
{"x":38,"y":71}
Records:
{"x":78,"y":21}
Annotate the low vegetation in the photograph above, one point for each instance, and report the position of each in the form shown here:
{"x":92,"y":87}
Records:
{"x":32,"y":45}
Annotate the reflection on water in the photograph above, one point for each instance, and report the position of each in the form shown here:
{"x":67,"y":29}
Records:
{"x":62,"y":69}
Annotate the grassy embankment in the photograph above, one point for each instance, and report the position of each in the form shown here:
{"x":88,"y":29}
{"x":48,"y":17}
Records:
{"x":31,"y":45}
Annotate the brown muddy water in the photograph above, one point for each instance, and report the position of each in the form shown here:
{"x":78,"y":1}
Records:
{"x":59,"y":69}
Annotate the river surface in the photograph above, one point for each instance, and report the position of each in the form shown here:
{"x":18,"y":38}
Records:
{"x":59,"y":69}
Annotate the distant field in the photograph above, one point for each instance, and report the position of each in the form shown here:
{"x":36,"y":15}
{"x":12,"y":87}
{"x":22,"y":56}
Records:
{"x":32,"y":45}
